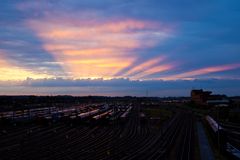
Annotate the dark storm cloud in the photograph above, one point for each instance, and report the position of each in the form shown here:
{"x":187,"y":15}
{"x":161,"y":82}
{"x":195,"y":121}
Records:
{"x":121,"y":87}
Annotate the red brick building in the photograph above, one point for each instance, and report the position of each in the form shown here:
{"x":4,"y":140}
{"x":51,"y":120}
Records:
{"x":199,"y":96}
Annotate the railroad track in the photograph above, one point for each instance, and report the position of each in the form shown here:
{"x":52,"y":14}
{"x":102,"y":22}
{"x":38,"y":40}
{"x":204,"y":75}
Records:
{"x":185,"y":148}
{"x":156,"y":147}
{"x":115,"y":141}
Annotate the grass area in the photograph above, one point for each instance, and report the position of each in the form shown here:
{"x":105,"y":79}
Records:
{"x":158,"y":113}
{"x":198,"y":111}
{"x":225,"y":114}
{"x":157,"y":116}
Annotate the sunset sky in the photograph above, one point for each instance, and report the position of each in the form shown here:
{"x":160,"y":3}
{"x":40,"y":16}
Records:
{"x":119,"y":47}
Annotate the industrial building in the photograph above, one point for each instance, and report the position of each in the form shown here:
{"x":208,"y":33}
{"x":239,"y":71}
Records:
{"x":204,"y":98}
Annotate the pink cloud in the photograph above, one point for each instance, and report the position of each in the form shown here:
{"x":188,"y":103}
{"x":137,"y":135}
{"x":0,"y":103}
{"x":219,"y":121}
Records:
{"x":153,"y":70}
{"x":144,"y":66}
{"x":203,"y":71}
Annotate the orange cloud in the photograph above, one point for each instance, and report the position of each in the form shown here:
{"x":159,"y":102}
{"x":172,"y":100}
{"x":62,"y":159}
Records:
{"x":96,"y":49}
{"x":87,"y":52}
{"x":9,"y":71}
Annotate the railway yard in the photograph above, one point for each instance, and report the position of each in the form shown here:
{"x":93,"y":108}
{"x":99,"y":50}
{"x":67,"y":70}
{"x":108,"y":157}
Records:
{"x":129,"y":131}
{"x":123,"y":134}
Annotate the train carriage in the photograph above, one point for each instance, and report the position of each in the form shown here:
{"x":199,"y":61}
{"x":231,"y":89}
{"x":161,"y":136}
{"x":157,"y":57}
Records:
{"x":217,"y":132}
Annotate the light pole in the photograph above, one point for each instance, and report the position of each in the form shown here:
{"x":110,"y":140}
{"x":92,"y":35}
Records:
{"x":218,"y":122}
